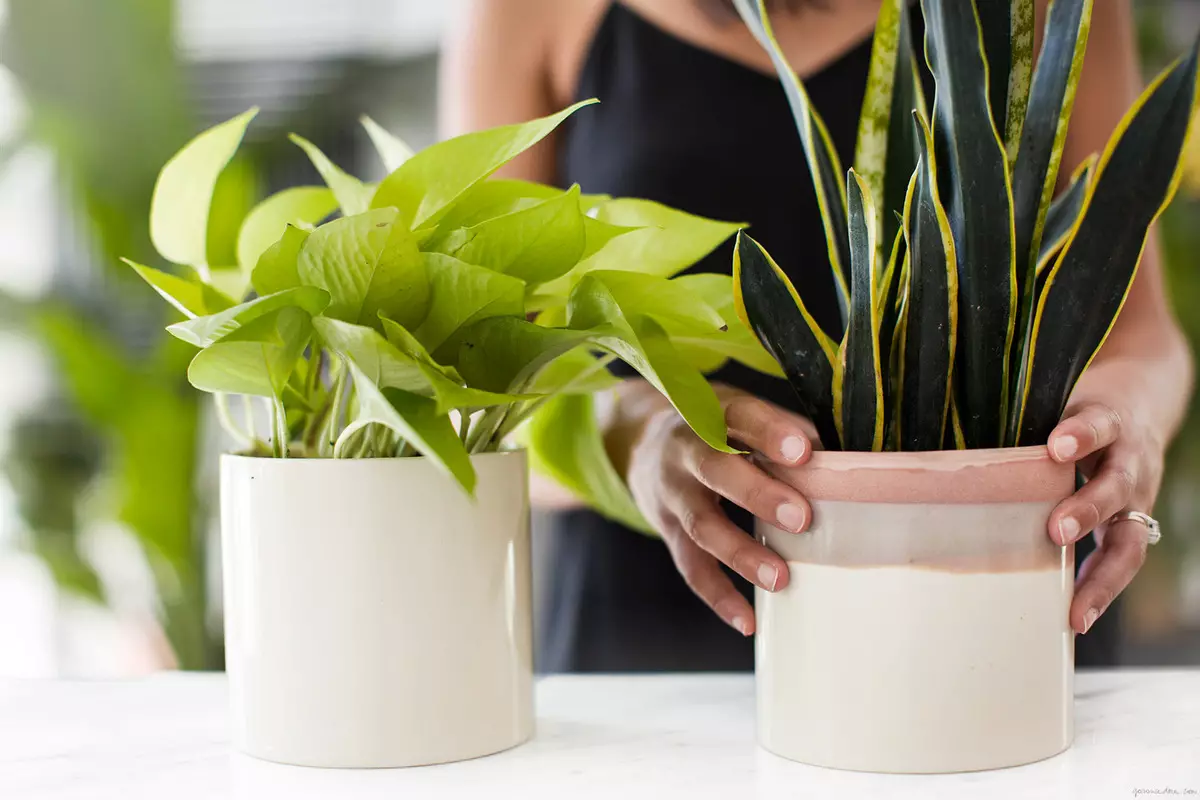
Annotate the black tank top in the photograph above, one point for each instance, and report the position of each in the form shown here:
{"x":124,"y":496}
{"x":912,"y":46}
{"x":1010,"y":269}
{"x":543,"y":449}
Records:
{"x":684,"y":126}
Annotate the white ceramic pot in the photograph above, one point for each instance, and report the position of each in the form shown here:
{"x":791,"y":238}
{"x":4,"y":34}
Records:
{"x":374,"y":615}
{"x":925,"y":626}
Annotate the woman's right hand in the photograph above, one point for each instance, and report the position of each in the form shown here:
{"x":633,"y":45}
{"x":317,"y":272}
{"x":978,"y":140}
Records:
{"x":678,"y":481}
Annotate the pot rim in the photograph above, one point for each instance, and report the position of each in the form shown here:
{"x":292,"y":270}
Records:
{"x":995,"y":475}
{"x":241,"y":458}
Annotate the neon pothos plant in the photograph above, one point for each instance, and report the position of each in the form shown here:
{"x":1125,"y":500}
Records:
{"x":972,"y":300}
{"x":400,"y":326}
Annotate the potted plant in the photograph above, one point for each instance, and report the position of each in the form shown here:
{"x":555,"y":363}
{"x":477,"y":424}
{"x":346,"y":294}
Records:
{"x":925,"y":628}
{"x":375,"y":540}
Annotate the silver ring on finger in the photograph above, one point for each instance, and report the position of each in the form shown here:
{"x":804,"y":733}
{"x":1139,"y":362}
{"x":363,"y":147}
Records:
{"x":1153,"y":530}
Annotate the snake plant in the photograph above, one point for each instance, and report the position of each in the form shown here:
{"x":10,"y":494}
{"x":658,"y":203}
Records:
{"x":434,"y":313}
{"x":972,"y":299}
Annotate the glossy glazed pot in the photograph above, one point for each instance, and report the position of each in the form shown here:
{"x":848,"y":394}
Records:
{"x":925,"y":625}
{"x":375,"y":616}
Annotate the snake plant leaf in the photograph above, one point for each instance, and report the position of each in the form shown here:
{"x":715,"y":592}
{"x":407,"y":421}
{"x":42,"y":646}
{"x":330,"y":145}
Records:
{"x":1007,"y":29}
{"x":183,"y":193}
{"x":256,"y":359}
{"x":277,"y":268}
{"x":300,"y":206}
{"x":928,"y":350}
{"x":192,"y":297}
{"x":1135,"y":180}
{"x":388,"y":366}
{"x":860,"y":369}
{"x":887,"y":292}
{"x":565,"y":443}
{"x":426,"y":185}
{"x":1035,"y":173}
{"x":886,"y":153}
{"x":352,"y":195}
{"x":1063,"y":214}
{"x":393,"y":151}
{"x":824,"y":164}
{"x":535,"y":244}
{"x":369,"y":264}
{"x":207,"y":331}
{"x":642,"y":344}
{"x":768,"y":304}
{"x":416,"y":420}
{"x":709,"y":351}
{"x":462,"y":293}
{"x":977,"y":193}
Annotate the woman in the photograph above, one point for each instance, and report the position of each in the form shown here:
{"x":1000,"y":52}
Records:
{"x":692,"y":116}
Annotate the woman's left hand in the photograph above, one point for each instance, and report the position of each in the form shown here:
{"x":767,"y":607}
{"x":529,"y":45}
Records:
{"x":1123,"y":463}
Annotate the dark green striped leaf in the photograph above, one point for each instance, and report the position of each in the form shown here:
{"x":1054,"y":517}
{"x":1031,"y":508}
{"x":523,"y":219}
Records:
{"x":768,"y":305}
{"x":887,"y":297}
{"x":978,"y":197}
{"x":1135,"y":180}
{"x":929,"y":339}
{"x":886,"y":154}
{"x":1007,"y":30}
{"x":1035,"y":173}
{"x":858,"y":378}
{"x":1063,"y":214}
{"x":823,"y":162}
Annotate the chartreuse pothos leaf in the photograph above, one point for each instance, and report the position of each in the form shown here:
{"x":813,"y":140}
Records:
{"x":206,"y":331}
{"x":565,"y":443}
{"x":391,"y":148}
{"x":670,"y":303}
{"x":710,"y":350}
{"x":301,"y":206}
{"x":535,"y":244}
{"x":978,"y":197}
{"x":352,"y":194}
{"x":192,"y":297}
{"x":1063,"y":214}
{"x":416,"y":420}
{"x":461,"y":294}
{"x":642,"y":344}
{"x":388,"y":366}
{"x":824,"y":164}
{"x":886,"y":153}
{"x":929,"y":336}
{"x":184,"y":191}
{"x":256,"y":359}
{"x":400,"y":338}
{"x":369,"y":264}
{"x":1136,"y":178}
{"x":494,"y":197}
{"x":859,"y":372}
{"x":506,"y":354}
{"x":277,"y":268}
{"x":769,"y":305}
{"x":429,"y":182}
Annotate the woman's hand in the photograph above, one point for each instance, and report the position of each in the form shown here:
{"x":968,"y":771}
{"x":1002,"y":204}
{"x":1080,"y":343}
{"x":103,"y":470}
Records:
{"x":1123,"y":462}
{"x":678,"y":481}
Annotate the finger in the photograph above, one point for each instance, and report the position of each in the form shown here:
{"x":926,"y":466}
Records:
{"x":1092,"y":428}
{"x":767,"y":429}
{"x":703,"y":521}
{"x":1109,"y":491}
{"x":703,"y":576}
{"x":1116,"y":562}
{"x":739,"y":481}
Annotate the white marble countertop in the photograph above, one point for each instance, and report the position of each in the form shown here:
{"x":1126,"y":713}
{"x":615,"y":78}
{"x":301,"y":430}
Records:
{"x":1138,"y":734}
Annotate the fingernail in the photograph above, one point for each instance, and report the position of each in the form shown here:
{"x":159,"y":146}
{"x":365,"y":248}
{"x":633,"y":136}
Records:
{"x":1090,"y":618}
{"x":1065,"y":447}
{"x":768,"y":576}
{"x":1068,"y":529}
{"x":793,"y":448}
{"x":740,"y":624}
{"x":791,"y":517}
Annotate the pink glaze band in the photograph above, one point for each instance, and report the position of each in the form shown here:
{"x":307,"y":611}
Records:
{"x":1008,"y":475}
